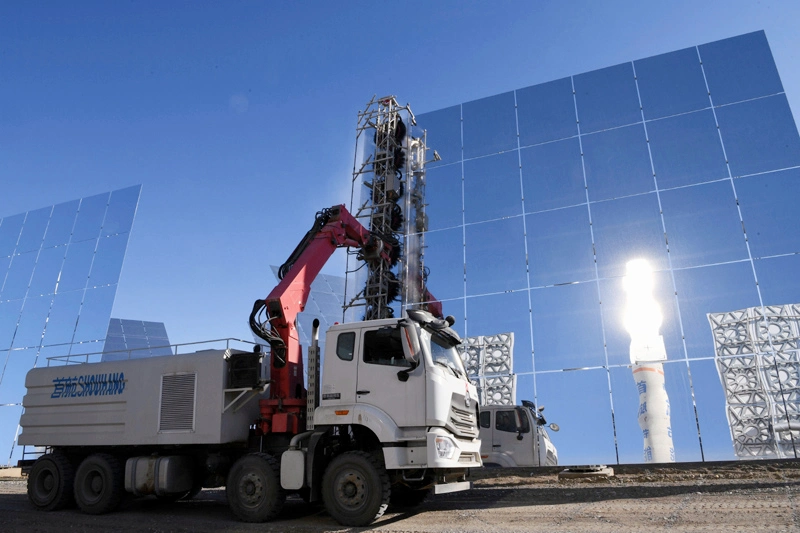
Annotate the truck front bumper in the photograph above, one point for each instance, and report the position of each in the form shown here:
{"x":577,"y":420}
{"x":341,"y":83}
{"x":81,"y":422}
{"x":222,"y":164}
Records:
{"x":455,"y":486}
{"x":445,"y":450}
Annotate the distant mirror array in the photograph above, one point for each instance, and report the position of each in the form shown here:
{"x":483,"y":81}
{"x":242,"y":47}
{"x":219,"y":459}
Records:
{"x":59,"y":268}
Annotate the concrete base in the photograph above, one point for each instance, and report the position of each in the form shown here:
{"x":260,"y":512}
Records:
{"x":587,"y":472}
{"x":10,"y":473}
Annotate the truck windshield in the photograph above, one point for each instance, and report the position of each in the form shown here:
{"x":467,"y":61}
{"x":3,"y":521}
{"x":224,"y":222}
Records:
{"x":445,"y":355}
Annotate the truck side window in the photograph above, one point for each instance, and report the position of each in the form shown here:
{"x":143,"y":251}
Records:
{"x":346,"y":345}
{"x":384,"y":347}
{"x":505,"y":421}
{"x":486,"y":419}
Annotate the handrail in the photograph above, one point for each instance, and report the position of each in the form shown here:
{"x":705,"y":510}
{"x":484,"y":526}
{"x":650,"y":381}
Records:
{"x":175,"y":349}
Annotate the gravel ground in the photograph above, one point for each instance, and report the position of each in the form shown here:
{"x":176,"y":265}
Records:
{"x":761,"y":497}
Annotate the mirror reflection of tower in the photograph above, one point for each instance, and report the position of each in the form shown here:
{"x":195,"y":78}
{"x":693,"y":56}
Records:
{"x":642,"y":321}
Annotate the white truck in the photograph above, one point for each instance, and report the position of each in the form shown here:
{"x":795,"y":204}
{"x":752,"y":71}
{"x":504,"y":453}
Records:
{"x":516,"y":435}
{"x":396,"y":417}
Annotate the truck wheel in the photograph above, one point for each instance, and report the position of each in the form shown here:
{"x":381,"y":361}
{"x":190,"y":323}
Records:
{"x":50,"y":482}
{"x":404,"y":496}
{"x":355,"y":489}
{"x":99,"y":484}
{"x":254,"y":488}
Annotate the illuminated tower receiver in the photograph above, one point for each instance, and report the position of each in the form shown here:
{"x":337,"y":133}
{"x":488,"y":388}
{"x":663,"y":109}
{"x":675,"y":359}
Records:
{"x":413,"y":276}
{"x":643,"y":320}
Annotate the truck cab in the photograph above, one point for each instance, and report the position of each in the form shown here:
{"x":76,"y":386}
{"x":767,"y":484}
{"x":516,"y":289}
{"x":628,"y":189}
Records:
{"x":405,"y":382}
{"x":516,"y":435}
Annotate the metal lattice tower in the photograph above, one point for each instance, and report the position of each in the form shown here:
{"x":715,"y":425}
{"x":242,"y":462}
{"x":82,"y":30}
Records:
{"x":391,"y":186}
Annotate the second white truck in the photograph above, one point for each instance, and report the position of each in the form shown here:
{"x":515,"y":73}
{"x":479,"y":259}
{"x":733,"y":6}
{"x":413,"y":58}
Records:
{"x":516,"y":435}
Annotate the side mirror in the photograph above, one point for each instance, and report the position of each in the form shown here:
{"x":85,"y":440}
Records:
{"x":403,"y":376}
{"x":411,"y":343}
{"x":554,"y":426}
{"x":519,"y":436}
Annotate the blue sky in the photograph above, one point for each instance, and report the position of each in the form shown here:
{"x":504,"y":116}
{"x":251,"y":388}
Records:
{"x":239,"y":117}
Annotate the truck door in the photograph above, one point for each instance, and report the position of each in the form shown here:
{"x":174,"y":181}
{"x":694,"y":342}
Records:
{"x":511,"y":424}
{"x":380,"y":377}
{"x":341,"y":361}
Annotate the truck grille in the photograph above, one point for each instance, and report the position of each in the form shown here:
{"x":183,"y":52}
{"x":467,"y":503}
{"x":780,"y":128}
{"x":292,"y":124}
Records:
{"x":463,"y":422}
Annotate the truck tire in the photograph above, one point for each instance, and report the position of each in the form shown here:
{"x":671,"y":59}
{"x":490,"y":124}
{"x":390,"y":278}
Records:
{"x":355,"y":489}
{"x":99,"y":484}
{"x":50,"y":482}
{"x":254,"y":488}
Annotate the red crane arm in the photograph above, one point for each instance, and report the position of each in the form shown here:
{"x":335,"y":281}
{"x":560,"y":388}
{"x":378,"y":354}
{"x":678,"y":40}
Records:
{"x":334,"y":228}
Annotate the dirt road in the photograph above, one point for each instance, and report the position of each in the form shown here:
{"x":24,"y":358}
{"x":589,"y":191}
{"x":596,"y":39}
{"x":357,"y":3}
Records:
{"x":750,"y":497}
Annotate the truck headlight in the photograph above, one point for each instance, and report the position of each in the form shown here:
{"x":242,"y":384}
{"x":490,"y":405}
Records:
{"x":445,"y":447}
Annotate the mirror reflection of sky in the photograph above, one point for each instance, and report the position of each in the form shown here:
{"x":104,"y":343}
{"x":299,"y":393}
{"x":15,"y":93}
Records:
{"x":689,"y":159}
{"x":59,"y":269}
